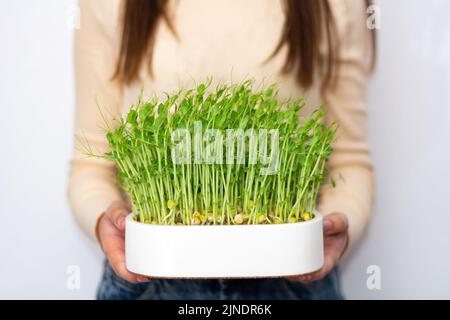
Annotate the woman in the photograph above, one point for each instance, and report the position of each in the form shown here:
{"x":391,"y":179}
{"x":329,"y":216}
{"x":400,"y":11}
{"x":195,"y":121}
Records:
{"x":318,"y":48}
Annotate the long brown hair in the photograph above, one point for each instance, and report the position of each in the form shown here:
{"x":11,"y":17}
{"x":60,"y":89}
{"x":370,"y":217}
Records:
{"x":307,"y":24}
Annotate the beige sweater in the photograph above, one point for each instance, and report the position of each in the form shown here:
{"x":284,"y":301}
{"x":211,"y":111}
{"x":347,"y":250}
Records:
{"x":229,"y":40}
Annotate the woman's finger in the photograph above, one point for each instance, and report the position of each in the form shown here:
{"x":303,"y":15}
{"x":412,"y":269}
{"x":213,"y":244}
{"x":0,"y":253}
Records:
{"x":334,"y":223}
{"x":117,"y":212}
{"x":333,"y":248}
{"x":114,"y":251}
{"x":320,"y":274}
{"x":328,"y":264}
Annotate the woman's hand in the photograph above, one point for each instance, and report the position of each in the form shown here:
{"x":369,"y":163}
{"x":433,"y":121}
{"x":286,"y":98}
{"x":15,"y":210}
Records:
{"x":111,"y":233}
{"x":335,"y":231}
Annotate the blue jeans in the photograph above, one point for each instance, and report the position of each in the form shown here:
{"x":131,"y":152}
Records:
{"x":112,"y":287}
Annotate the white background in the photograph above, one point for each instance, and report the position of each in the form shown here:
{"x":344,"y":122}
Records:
{"x":409,"y":110}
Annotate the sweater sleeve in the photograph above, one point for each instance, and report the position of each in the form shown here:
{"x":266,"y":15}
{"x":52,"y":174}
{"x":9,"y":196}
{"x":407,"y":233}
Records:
{"x":92,"y":183}
{"x":349,"y":164}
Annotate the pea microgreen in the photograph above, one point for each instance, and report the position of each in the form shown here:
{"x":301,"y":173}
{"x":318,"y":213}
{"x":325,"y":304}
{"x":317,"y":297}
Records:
{"x":227,"y":192}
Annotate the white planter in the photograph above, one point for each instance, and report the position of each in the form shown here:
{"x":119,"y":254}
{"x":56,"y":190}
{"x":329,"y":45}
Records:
{"x":224,"y":251}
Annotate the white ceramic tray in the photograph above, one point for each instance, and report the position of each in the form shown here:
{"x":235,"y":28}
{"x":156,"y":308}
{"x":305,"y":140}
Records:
{"x":224,"y":251}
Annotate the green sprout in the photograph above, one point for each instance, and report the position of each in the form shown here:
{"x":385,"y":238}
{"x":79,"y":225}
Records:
{"x":226,"y":190}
